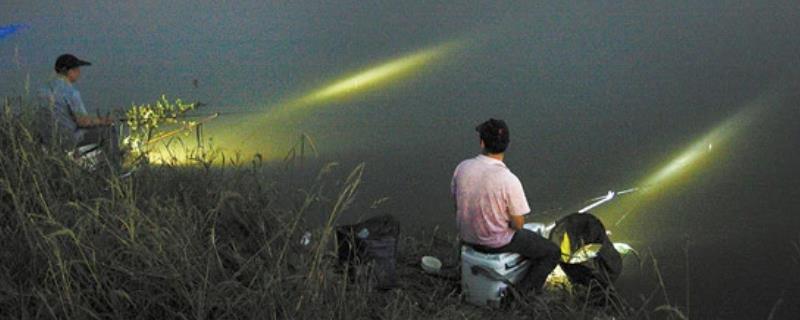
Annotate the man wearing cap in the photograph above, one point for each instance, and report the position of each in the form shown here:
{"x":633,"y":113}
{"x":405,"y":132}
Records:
{"x":72,"y":122}
{"x":491,"y":205}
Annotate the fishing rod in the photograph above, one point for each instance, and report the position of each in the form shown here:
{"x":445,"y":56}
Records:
{"x":201,"y":115}
{"x":184,"y":128}
{"x":598,"y":201}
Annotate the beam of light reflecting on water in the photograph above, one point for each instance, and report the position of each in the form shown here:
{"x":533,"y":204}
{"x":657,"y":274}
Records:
{"x":367,"y":79}
{"x":694,"y":157}
{"x":259,"y":133}
{"x":684,"y":166}
{"x":269,"y":134}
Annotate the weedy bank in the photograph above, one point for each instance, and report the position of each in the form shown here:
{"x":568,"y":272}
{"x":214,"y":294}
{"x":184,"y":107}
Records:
{"x":211,"y":242}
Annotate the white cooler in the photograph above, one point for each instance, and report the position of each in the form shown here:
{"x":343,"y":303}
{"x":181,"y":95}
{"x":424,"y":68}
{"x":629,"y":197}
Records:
{"x":484,"y":277}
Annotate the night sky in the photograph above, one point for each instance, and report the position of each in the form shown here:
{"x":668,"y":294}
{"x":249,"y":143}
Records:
{"x":598,"y":96}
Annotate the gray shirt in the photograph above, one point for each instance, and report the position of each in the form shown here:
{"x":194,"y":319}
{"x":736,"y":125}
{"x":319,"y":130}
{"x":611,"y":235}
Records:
{"x":66,"y":105}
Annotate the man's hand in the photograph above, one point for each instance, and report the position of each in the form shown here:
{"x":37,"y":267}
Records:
{"x":91,"y":122}
{"x":517,"y":222}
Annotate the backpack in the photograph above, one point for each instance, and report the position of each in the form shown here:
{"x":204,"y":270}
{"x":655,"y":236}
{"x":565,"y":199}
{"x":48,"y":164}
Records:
{"x":371,"y":244}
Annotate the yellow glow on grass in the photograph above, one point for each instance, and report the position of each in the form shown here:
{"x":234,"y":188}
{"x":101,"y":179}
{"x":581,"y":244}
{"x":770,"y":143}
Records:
{"x":178,"y":154}
{"x":224,"y":141}
{"x":164,"y":156}
{"x":174,"y":152}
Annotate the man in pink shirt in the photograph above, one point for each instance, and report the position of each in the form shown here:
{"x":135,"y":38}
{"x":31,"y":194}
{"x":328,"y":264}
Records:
{"x":491,"y":205}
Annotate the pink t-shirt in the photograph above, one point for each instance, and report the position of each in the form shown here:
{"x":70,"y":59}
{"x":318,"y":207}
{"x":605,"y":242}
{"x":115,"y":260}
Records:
{"x":486,"y":192}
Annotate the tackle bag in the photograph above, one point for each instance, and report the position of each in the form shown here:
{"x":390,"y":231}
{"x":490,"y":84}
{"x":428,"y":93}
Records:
{"x":372,"y":246}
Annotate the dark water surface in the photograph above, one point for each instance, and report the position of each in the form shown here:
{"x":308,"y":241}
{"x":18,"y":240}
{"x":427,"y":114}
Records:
{"x":598,"y":96}
{"x":738,"y":219}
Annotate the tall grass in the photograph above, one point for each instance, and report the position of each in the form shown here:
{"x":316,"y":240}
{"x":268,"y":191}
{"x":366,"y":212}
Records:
{"x":204,"y":242}
{"x":168,"y":242}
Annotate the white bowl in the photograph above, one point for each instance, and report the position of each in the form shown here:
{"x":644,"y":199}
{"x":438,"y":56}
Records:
{"x":431,"y":264}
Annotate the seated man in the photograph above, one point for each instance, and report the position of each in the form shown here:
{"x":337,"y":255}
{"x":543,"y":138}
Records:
{"x":490,"y":208}
{"x":68,"y":119}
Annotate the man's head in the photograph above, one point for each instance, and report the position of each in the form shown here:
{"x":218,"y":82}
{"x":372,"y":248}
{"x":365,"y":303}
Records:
{"x":69,"y":66}
{"x":494,"y":136}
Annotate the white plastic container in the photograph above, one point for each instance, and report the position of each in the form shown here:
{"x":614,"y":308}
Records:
{"x":485,"y":277}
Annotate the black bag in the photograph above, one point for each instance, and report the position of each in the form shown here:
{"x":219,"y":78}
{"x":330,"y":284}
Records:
{"x":584,"y":229}
{"x":371,"y":244}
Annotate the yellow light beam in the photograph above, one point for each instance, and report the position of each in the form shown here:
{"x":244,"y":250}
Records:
{"x":695,"y":157}
{"x":374,"y":76}
{"x":239,"y":136}
{"x":367,"y":79}
{"x":370,"y":78}
{"x":690,"y":159}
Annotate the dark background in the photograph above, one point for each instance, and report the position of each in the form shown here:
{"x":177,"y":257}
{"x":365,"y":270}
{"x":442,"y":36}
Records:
{"x":598,"y":96}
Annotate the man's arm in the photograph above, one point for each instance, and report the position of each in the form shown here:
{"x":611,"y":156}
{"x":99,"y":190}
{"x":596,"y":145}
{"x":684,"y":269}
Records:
{"x":91,"y":122}
{"x":517,"y":204}
{"x":454,"y":189}
{"x":82,"y":118}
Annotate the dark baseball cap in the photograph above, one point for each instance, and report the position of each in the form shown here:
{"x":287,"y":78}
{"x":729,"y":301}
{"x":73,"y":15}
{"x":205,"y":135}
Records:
{"x":68,"y":61}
